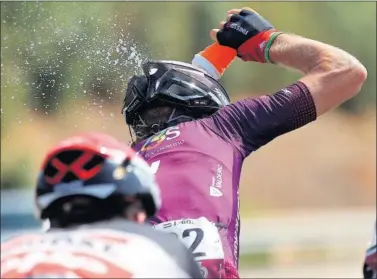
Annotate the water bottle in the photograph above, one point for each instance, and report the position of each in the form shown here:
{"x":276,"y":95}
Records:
{"x":215,"y":59}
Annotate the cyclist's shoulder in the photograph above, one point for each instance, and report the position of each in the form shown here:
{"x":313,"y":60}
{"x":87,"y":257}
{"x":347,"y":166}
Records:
{"x":17,"y":240}
{"x":20,"y":236}
{"x":151,"y":237}
{"x":130,"y":228}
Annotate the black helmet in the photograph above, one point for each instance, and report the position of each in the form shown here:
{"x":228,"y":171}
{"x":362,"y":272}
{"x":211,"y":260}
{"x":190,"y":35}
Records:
{"x":97,"y":167}
{"x":176,"y":84}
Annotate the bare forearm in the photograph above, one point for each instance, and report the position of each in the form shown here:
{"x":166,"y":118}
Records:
{"x":332,"y":75}
{"x":309,"y":56}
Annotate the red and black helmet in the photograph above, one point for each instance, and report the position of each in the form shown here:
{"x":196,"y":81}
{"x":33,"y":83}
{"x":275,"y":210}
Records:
{"x":98,"y":166}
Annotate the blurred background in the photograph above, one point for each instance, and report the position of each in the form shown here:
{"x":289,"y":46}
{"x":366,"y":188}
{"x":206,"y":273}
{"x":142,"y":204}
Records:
{"x":64,"y":66}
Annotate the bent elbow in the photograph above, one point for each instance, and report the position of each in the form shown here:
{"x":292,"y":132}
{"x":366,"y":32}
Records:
{"x":360,"y":74}
{"x":353,"y":79}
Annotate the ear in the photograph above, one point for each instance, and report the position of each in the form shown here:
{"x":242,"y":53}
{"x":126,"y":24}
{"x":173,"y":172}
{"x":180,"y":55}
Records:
{"x":140,"y":217}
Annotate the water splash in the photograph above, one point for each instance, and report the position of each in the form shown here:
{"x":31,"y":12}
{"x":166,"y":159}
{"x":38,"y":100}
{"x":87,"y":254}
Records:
{"x":56,"y":53}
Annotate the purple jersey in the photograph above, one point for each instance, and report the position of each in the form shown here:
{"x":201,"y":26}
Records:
{"x":370,"y":262}
{"x":198,"y":163}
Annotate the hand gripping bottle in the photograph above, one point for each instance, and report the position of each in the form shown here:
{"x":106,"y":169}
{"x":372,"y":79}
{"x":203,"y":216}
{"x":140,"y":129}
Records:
{"x":215,"y":59}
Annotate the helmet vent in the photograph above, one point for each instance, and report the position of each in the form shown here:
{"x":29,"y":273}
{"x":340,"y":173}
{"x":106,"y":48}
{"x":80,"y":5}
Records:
{"x":95,"y":161}
{"x":68,"y":177}
{"x":50,"y":170}
{"x":69,"y":156}
{"x":71,"y":165}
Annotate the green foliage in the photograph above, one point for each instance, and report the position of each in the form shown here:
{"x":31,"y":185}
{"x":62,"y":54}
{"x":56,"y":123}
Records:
{"x":16,"y":177}
{"x":53,"y":53}
{"x":66,"y":34}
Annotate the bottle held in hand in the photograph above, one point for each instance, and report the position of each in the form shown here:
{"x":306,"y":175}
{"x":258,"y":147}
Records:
{"x":215,"y":59}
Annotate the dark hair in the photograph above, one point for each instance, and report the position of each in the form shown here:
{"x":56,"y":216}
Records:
{"x":83,"y":209}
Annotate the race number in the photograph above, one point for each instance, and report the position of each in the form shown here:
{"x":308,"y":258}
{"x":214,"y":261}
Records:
{"x":198,"y":235}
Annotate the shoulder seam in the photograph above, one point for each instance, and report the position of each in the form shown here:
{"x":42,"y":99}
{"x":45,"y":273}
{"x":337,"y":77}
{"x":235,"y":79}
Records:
{"x":220,"y":136}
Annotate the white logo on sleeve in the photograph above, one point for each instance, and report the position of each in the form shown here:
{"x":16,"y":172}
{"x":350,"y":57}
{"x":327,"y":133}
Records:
{"x":286,"y":91}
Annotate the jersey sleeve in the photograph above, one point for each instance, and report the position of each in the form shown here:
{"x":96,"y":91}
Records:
{"x":253,"y":122}
{"x":370,"y":263}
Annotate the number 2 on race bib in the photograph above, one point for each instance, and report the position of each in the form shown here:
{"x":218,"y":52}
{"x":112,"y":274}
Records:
{"x":198,"y":239}
{"x":198,"y":235}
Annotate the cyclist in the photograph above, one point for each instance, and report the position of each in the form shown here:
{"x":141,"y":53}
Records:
{"x":184,"y":126}
{"x":370,"y":262}
{"x":96,"y":194}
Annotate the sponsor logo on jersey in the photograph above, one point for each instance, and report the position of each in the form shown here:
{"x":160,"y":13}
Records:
{"x":166,"y":139}
{"x":214,"y":192}
{"x":156,"y":140}
{"x":217,"y":183}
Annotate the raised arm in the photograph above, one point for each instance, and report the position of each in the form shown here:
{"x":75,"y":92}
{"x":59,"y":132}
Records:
{"x":331,"y":74}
